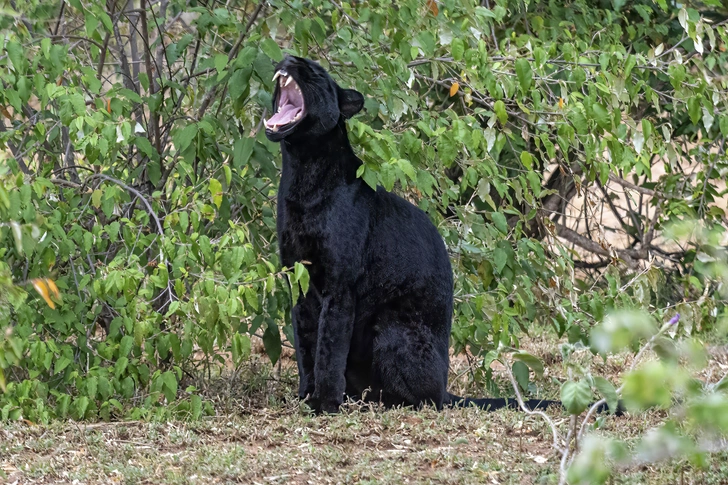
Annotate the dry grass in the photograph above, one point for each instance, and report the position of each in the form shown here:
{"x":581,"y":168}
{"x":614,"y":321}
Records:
{"x":262,"y":435}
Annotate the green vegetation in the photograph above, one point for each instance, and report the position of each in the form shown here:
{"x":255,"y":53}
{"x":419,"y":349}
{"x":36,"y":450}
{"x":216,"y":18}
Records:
{"x":572,"y":155}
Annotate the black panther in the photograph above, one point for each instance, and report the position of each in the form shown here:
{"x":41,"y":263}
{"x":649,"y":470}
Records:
{"x":378,"y":312}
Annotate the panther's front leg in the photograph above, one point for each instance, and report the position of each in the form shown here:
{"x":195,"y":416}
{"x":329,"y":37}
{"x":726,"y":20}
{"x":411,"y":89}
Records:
{"x":305,"y":320}
{"x":336,"y":324}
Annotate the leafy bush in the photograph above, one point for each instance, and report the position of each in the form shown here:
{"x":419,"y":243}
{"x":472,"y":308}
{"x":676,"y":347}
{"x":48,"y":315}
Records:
{"x":552,"y":144}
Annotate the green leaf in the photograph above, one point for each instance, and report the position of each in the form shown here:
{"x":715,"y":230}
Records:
{"x":145,"y":146}
{"x":196,"y":407}
{"x":576,"y":396}
{"x":533,"y":362}
{"x":238,"y":83}
{"x":92,"y":386}
{"x":629,"y":65}
{"x":272,"y":342}
{"x":96,"y":198}
{"x":647,"y":129}
{"x":601,"y":115}
{"x":228,"y":174}
{"x":125,"y":346}
{"x":246,"y":57}
{"x":500,"y":111}
{"x":183,"y":138}
{"x":524,"y":73}
{"x":216,"y":193}
{"x":120,"y":366}
{"x":16,"y":56}
{"x":408,"y":169}
{"x":578,"y":119}
{"x":298,"y":270}
{"x":169,"y":386}
{"x":61,"y":364}
{"x":301,"y":276}
{"x":104,"y":388}
{"x":457,"y":48}
{"x":388,"y":176}
{"x":105,"y":19}
{"x":63,"y":403}
{"x":607,"y":391}
{"x":694,"y":105}
{"x":270,"y":48}
{"x":81,"y":405}
{"x":520,"y":372}
{"x":127,"y":387}
{"x":252,"y":298}
{"x":303,"y":281}
{"x":242,"y":150}
{"x":500,"y":222}
{"x":527,"y":160}
{"x":500,"y":259}
{"x":78,"y":103}
{"x":427,"y":42}
{"x":220,"y":62}
{"x":240,"y":347}
{"x":154,"y":171}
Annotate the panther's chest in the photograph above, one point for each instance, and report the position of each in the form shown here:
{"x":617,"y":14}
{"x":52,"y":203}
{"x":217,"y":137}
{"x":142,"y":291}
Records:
{"x":302,"y":233}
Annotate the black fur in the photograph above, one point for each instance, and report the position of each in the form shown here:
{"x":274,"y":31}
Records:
{"x":378,"y":312}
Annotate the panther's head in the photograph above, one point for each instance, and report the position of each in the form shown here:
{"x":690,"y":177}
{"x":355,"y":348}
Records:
{"x":307,"y":101}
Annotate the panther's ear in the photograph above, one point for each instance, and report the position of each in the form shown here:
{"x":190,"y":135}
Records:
{"x":350,"y":102}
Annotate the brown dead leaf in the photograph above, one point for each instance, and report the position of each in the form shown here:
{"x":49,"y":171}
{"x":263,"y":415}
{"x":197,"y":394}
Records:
{"x":432,"y":6}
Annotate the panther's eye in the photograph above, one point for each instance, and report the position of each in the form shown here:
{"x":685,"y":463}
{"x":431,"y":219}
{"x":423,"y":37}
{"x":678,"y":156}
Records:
{"x":290,"y":109}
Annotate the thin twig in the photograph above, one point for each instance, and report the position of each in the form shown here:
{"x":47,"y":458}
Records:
{"x":525,"y":409}
{"x":231,"y":55}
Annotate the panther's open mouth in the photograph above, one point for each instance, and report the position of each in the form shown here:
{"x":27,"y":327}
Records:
{"x":290,"y":109}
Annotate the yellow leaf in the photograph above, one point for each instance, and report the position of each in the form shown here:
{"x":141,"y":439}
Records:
{"x":41,"y":287}
{"x":53,"y":288}
{"x":454,"y":88}
{"x":561,"y":103}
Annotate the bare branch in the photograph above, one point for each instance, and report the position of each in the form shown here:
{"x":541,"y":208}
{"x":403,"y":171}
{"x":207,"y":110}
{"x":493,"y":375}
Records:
{"x":154,"y":117}
{"x":636,"y":188}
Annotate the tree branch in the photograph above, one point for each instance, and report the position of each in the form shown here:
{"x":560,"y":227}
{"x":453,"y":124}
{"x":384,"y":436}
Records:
{"x":628,"y":255}
{"x":231,"y":55}
{"x":636,"y":188}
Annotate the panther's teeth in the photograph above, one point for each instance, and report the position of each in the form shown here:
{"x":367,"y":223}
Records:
{"x":295,"y":118}
{"x":297,"y":88}
{"x":279,"y":73}
{"x":288,"y":81}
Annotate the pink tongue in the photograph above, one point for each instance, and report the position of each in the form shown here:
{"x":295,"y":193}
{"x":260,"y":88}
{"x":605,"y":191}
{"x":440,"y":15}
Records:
{"x":284,"y":116}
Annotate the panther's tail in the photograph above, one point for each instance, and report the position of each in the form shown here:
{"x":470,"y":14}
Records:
{"x":498,"y":403}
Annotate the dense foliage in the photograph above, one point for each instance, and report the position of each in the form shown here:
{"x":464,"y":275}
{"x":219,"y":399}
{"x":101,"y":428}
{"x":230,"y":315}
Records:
{"x":571,"y":153}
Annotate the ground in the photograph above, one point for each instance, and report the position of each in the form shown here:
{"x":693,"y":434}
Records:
{"x":262,"y":435}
